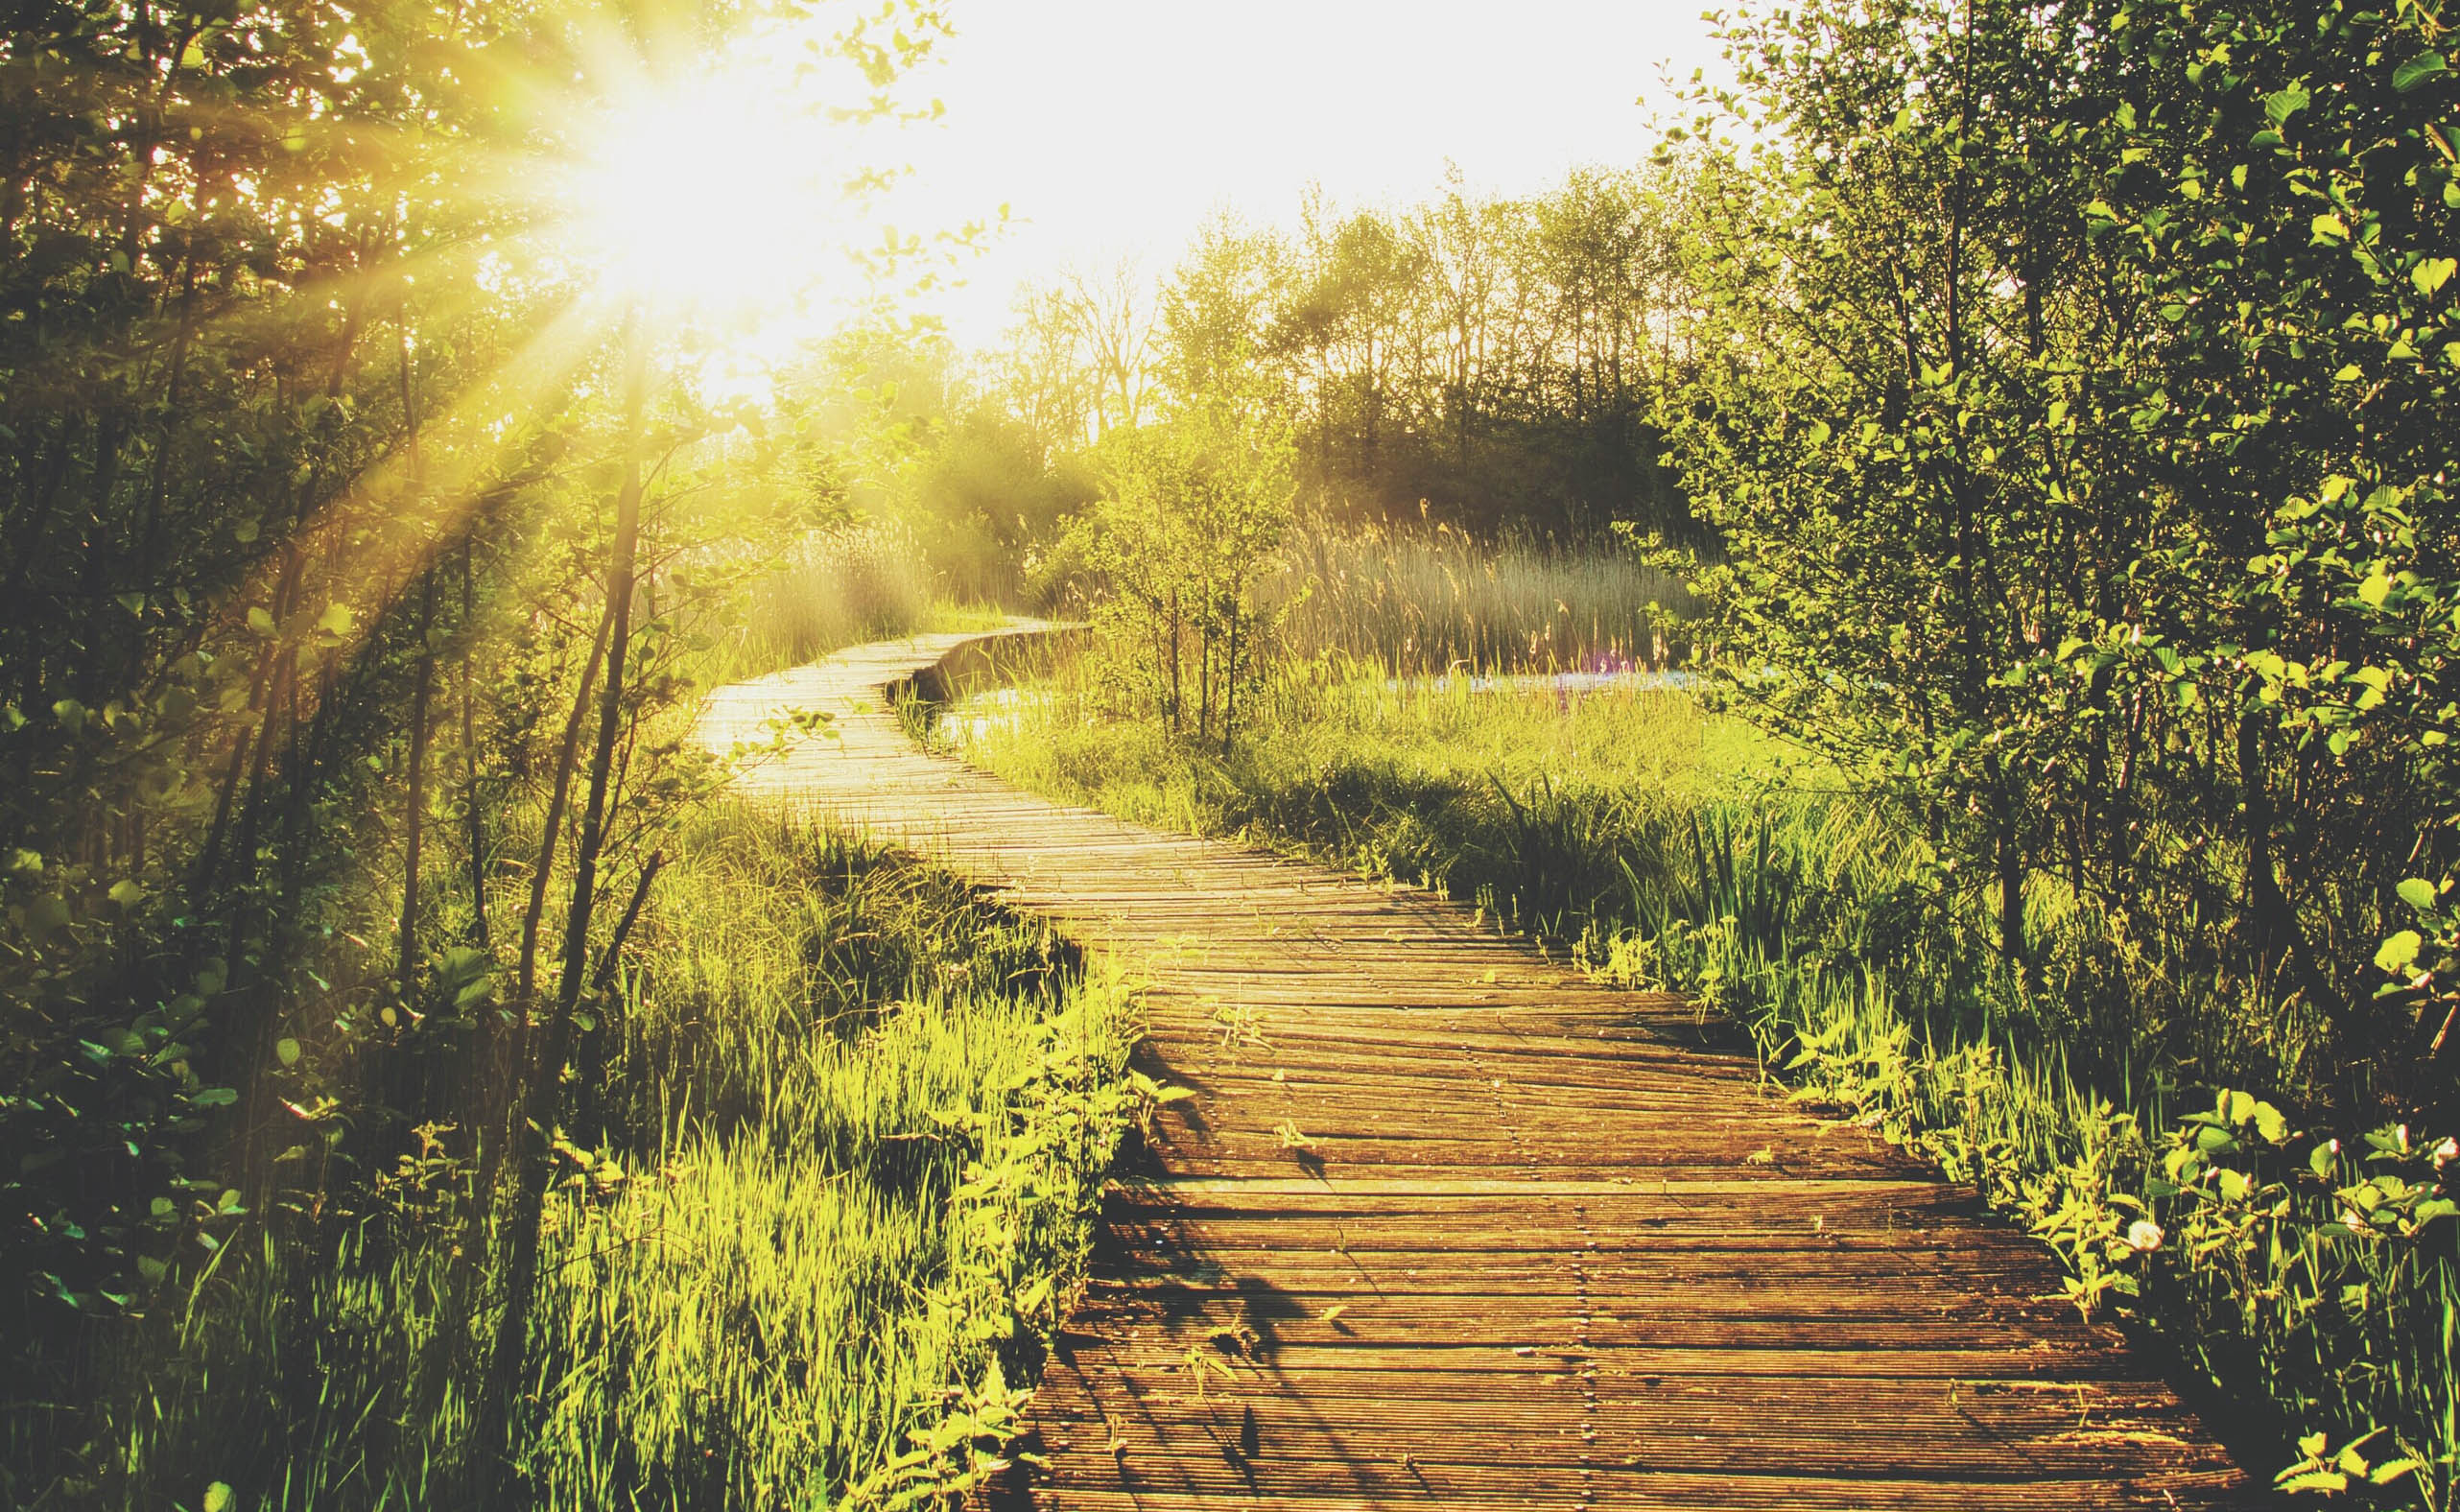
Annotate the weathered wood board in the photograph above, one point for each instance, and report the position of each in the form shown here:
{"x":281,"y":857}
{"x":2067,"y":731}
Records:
{"x":1447,"y":1224}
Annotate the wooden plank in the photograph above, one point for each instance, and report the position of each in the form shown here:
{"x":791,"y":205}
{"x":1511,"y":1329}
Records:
{"x":1445,"y":1223}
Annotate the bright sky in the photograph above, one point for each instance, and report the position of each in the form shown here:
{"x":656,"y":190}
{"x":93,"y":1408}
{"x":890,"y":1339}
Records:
{"x":1118,"y":125}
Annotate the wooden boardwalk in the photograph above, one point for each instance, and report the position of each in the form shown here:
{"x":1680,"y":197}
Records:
{"x":1448,"y":1225}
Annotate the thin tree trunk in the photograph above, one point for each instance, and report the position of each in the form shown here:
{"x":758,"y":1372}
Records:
{"x":415,"y":826}
{"x":415,"y":820}
{"x":567,"y":759}
{"x":544,"y":1080}
{"x":604,"y":979}
{"x":474,"y":815}
{"x":512,"y":1058}
{"x":1230,"y":684}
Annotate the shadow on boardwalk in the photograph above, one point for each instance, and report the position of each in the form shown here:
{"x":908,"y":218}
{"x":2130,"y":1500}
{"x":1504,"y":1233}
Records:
{"x":1447,"y":1224}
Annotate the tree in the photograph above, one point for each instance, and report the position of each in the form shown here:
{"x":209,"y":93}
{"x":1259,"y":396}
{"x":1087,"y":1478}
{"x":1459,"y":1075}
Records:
{"x":1194,"y":507}
{"x":2067,"y":413}
{"x":292,"y":424}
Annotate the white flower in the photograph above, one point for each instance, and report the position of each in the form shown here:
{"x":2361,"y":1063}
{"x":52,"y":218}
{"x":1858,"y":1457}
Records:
{"x":2143,"y":1236}
{"x":2447,"y":1152}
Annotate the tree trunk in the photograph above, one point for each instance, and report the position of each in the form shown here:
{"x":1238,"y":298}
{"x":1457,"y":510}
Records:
{"x":415,"y":818}
{"x":567,"y":760}
{"x":473,"y":811}
{"x":544,"y":1079}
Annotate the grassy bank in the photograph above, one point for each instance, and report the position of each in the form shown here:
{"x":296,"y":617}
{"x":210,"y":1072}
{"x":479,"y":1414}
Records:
{"x":837,"y":1144}
{"x":2156,"y":1137}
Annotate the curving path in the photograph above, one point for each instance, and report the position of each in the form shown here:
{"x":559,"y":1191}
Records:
{"x":1448,"y":1225}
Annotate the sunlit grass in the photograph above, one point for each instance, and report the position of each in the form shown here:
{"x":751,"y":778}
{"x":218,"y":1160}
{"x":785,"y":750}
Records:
{"x":1421,"y":600}
{"x":835,"y":588}
{"x":1411,"y":778}
{"x":832,"y":1164}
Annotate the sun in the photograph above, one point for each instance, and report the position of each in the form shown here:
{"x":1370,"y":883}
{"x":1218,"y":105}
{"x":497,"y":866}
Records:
{"x":720,"y":195}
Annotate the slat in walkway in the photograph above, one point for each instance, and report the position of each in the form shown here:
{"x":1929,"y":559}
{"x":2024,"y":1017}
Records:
{"x":1446,"y":1224}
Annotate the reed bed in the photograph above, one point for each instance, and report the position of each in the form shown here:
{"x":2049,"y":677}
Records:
{"x":871,"y":580}
{"x":1422,"y":601}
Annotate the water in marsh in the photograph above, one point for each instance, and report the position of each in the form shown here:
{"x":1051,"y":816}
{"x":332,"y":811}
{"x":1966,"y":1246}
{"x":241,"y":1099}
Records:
{"x":1006,"y":709}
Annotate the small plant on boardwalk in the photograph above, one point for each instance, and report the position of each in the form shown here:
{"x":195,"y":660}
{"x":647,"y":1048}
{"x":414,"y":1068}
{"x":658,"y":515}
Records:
{"x":1242,"y":1026}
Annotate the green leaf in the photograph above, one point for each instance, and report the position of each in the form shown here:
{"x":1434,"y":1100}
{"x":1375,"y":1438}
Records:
{"x":2391,"y":1469}
{"x":219,"y":1496}
{"x":260,"y":619}
{"x":287,"y":1051}
{"x":2432,"y":274}
{"x":336,"y":620}
{"x":2397,"y":953}
{"x":2282,"y":103}
{"x":215,"y":1098}
{"x":2418,"y":70}
{"x":1032,"y":1298}
{"x":2416,"y":892}
{"x":126,"y":893}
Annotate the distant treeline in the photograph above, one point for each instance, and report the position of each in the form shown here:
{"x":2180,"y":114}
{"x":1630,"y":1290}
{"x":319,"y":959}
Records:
{"x":1487,"y":361}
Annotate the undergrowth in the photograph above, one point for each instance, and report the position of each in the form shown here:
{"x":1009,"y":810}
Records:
{"x":832,"y":1174}
{"x":2165,"y":1143}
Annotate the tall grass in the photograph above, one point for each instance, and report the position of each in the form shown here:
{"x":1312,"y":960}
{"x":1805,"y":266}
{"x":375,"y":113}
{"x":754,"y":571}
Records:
{"x":1422,"y":601}
{"x":836,"y":1149}
{"x":2309,"y":1283}
{"x":867,"y":581}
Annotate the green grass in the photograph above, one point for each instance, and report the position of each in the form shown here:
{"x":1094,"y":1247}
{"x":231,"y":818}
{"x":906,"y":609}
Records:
{"x":1428,"y":783}
{"x":1670,"y":847}
{"x":833,"y":1171}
